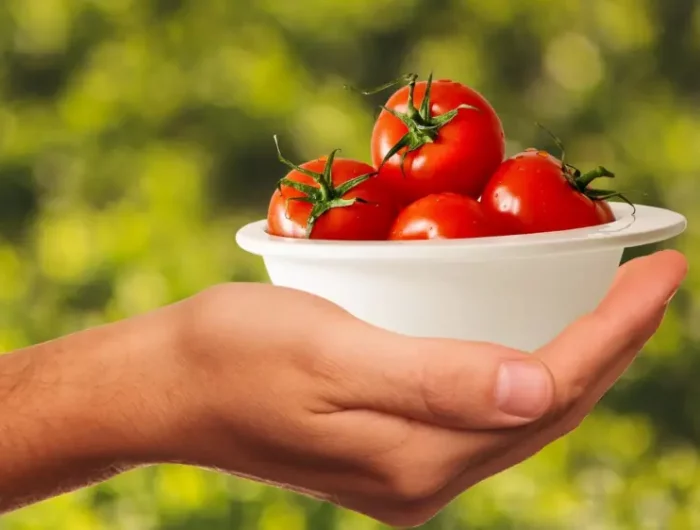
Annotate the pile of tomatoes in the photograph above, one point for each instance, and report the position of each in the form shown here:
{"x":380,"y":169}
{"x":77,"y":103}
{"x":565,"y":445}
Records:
{"x":437,"y":173}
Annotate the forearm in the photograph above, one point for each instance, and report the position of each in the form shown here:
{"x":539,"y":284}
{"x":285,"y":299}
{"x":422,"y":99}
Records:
{"x":211,"y":382}
{"x":82,"y":408}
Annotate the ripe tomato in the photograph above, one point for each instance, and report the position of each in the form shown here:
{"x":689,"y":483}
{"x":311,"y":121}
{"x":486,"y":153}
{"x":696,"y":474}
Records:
{"x":331,"y":198}
{"x":605,"y":213}
{"x":453,"y":142}
{"x":535,"y":192}
{"x":443,"y":216}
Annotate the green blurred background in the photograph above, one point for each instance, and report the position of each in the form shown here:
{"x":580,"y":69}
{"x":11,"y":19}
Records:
{"x":136,"y":137}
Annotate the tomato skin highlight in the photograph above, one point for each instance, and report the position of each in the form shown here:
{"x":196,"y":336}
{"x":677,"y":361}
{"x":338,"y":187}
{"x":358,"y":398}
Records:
{"x":360,"y":221}
{"x":529,"y":193}
{"x":466,"y":152}
{"x":443,"y":216}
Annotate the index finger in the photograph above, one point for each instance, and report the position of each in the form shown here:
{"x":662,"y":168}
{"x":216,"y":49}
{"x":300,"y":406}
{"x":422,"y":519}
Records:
{"x":599,"y":346}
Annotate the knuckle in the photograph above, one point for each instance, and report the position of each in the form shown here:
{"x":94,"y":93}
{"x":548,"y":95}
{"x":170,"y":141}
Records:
{"x":560,"y":411}
{"x":570,"y":424}
{"x":572,"y":395}
{"x":567,"y":420}
{"x":410,"y":481}
{"x":440,"y":385}
{"x":411,"y":488}
{"x":573,"y":419}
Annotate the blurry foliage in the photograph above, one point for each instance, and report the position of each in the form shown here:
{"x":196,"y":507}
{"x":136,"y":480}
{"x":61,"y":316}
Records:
{"x":136,"y":137}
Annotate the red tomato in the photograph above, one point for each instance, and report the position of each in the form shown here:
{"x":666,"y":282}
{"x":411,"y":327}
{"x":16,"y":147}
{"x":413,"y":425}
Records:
{"x":605,"y":213}
{"x":443,"y":216}
{"x":535,"y":192}
{"x":453,"y":142}
{"x":331,"y":198}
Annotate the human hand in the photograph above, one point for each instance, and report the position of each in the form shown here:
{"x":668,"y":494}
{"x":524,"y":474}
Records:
{"x":286,"y":388}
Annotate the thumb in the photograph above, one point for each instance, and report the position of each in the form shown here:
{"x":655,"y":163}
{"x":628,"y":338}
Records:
{"x":449,"y":383}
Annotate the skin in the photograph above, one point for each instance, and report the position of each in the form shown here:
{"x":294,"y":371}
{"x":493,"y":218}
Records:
{"x":442,"y":216}
{"x":387,"y":425}
{"x":465,"y":154}
{"x":371,"y":221}
{"x":530,"y":194}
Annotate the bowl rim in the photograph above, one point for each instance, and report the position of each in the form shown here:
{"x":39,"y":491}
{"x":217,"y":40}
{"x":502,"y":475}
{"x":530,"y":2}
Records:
{"x":641,"y":226}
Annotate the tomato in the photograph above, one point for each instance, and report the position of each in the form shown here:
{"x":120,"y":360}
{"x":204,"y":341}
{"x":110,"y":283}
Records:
{"x":536,"y":192}
{"x":605,"y":213}
{"x":443,"y":216}
{"x":452,"y":143}
{"x":331,"y":198}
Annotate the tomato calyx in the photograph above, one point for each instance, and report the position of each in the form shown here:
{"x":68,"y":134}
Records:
{"x":326,"y":195}
{"x":581,"y":181}
{"x":423,"y":128}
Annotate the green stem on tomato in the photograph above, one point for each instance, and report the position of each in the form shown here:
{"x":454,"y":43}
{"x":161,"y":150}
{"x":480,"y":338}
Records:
{"x":583,"y":181}
{"x":323,"y":197}
{"x":580,"y":181}
{"x":422,"y":127}
{"x":404,"y":79}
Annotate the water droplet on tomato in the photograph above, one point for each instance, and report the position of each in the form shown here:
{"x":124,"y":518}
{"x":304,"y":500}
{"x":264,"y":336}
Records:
{"x":530,"y":149}
{"x":543,"y":154}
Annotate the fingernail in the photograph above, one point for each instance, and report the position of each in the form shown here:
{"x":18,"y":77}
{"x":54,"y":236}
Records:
{"x":523,"y":389}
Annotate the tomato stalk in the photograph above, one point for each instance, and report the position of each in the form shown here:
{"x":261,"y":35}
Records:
{"x":423,"y":127}
{"x":582,"y":181}
{"x":326,"y":195}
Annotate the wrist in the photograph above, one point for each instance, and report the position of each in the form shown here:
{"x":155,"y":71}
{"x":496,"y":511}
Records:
{"x":242,"y":351}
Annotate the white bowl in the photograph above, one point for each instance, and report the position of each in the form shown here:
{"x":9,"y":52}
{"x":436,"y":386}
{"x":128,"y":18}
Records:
{"x":519,"y":291}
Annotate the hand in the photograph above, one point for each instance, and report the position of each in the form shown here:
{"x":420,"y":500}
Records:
{"x":286,"y":388}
